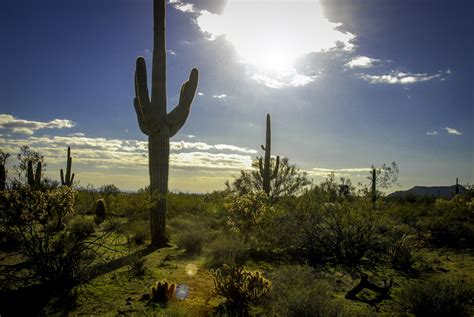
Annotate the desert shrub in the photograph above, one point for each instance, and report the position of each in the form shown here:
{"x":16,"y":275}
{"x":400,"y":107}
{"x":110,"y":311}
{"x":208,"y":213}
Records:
{"x":137,"y":232}
{"x":227,"y":248}
{"x":440,"y":295}
{"x":191,"y":241}
{"x":240,"y":288}
{"x":288,"y":182}
{"x":137,"y":265}
{"x":58,"y":248}
{"x":245,"y":211}
{"x":341,"y":231}
{"x":401,"y":253}
{"x":296,"y":291}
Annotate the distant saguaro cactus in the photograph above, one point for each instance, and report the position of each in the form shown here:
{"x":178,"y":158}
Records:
{"x":3,"y":176}
{"x":265,"y":166}
{"x":69,"y":177}
{"x":34,"y":178}
{"x":156,"y":122}
{"x":456,"y":190}
{"x":373,"y":173}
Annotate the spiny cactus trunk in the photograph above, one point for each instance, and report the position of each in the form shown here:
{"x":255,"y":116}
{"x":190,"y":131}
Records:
{"x":159,"y":151}
{"x":156,"y":122}
{"x":265,"y":167}
{"x":3,"y":177}
{"x":374,"y":185}
{"x":268,"y":149}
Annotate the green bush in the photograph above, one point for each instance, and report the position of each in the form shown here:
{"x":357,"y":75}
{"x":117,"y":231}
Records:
{"x":191,"y":241}
{"x":440,"y":295}
{"x":137,"y":232}
{"x":296,"y":291}
{"x":401,"y":253}
{"x":240,"y":288}
{"x":227,"y":248}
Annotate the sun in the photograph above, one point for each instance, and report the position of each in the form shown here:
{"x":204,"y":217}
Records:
{"x":271,"y":34}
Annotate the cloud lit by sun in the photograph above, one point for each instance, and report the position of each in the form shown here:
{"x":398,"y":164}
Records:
{"x":270,"y":35}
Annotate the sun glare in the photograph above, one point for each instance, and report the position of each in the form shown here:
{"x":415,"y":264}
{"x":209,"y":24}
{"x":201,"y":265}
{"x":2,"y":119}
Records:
{"x":272,"y":34}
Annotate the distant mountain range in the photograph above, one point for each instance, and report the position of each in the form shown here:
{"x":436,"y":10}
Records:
{"x":431,"y":191}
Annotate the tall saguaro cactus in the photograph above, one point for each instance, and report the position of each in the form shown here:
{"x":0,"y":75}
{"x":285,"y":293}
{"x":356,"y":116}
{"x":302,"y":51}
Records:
{"x":68,"y":181}
{"x":265,"y":167}
{"x":34,"y":179}
{"x":373,"y":174}
{"x":156,"y":122}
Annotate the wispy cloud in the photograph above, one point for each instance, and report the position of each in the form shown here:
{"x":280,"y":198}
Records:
{"x":291,"y":79}
{"x":182,"y":6}
{"x":452,"y":131}
{"x":21,"y":126}
{"x":341,"y":172}
{"x":221,"y":96}
{"x":432,"y":133}
{"x":400,"y":78}
{"x":362,"y":62}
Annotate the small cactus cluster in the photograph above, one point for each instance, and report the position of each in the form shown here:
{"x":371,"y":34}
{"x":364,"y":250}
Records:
{"x":100,"y":211}
{"x":69,"y":179}
{"x":239,"y":287}
{"x":265,"y":165}
{"x":34,"y":178}
{"x":162,"y":292}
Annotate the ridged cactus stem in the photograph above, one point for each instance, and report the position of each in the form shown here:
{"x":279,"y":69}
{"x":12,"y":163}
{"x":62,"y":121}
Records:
{"x":374,"y":185}
{"x":34,"y":179}
{"x":457,"y":187}
{"x":68,"y":181}
{"x":156,"y":122}
{"x":265,"y":167}
{"x":3,"y":176}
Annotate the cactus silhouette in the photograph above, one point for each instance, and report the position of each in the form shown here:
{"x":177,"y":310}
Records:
{"x":34,"y":178}
{"x":156,"y":122}
{"x":3,"y":176}
{"x":69,"y":177}
{"x":100,"y":211}
{"x":456,"y":190}
{"x":374,"y":184}
{"x":162,"y":292}
{"x":265,"y":166}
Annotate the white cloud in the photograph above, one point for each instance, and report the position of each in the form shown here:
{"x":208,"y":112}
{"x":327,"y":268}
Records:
{"x":361,"y":62}
{"x":76,"y":134}
{"x":398,"y":77}
{"x":171,"y":52}
{"x":269,"y":36}
{"x":432,"y":133}
{"x":200,"y":94}
{"x":27,"y":127}
{"x":452,"y":131}
{"x":291,"y":79}
{"x":191,"y":136}
{"x":182,"y":6}
{"x":222,"y":96}
{"x":105,"y":153}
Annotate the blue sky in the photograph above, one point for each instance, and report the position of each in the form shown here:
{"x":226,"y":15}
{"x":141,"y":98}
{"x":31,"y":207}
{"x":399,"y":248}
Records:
{"x":349,"y":84}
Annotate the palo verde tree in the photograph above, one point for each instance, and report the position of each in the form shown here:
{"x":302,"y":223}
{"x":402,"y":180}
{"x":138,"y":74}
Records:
{"x":382,"y":177}
{"x":156,"y":122}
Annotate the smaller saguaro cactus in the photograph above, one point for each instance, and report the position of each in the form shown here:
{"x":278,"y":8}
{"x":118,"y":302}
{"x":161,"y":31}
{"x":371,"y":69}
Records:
{"x":3,"y":176}
{"x":373,"y":173}
{"x":456,"y":190}
{"x":162,"y":292}
{"x":100,"y":211}
{"x":68,"y":181}
{"x":265,"y":165}
{"x":34,"y":178}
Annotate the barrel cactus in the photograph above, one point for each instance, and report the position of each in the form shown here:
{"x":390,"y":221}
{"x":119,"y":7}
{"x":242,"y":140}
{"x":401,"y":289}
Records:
{"x":100,"y":211}
{"x":162,"y":292}
{"x":156,"y":122}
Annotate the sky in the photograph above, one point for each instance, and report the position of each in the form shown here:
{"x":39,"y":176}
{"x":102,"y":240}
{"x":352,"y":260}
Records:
{"x":348,"y":84}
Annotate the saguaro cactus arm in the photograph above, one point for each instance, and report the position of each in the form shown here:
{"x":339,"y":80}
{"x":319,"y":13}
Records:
{"x":177,"y":117}
{"x":69,"y":177}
